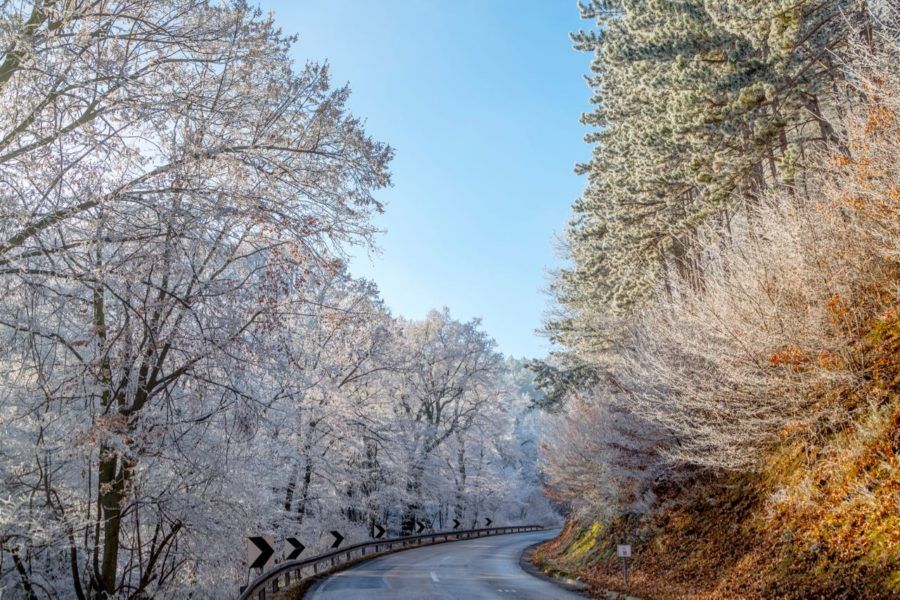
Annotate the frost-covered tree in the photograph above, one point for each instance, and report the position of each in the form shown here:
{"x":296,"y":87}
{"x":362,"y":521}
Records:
{"x":184,"y":358}
{"x":700,"y":107}
{"x":441,"y":392}
{"x":169,"y":180}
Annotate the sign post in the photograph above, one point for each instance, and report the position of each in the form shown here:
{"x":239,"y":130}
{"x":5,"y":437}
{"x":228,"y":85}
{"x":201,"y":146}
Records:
{"x":624,"y":552}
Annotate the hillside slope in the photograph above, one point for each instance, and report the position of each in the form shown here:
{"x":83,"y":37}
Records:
{"x":741,"y":428}
{"x":821,"y":519}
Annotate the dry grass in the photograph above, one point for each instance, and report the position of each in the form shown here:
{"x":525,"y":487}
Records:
{"x":820,"y":520}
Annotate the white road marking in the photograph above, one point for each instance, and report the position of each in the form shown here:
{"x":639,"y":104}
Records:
{"x":434,"y":578}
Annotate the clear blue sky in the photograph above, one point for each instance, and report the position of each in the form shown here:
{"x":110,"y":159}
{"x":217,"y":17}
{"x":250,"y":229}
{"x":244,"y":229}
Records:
{"x":481,"y":100}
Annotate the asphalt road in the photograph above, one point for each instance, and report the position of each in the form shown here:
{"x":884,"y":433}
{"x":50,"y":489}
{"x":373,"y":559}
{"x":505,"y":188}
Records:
{"x":480,"y":568}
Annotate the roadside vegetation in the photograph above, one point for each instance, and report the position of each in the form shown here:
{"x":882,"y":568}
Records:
{"x":727,"y":390}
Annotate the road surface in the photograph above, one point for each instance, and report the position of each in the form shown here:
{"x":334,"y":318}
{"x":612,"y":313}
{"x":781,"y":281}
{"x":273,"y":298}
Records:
{"x":480,"y":568}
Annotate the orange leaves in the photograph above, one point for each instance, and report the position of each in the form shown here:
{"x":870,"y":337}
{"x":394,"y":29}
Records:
{"x":837,"y":307}
{"x":829,"y":361}
{"x":893,"y":194}
{"x":792,"y":356}
{"x":105,"y":427}
{"x":879,"y":118}
{"x":855,"y":202}
{"x":792,"y":428}
{"x":871,"y":163}
{"x":796,"y":358}
{"x":841,"y":160}
{"x":884,"y":337}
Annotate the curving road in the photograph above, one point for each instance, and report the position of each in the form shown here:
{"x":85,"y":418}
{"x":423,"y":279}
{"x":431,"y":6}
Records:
{"x":480,"y":568}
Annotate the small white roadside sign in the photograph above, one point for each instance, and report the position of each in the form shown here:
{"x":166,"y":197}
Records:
{"x":624,"y":550}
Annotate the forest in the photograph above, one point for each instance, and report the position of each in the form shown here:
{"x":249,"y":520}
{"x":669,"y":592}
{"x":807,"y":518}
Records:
{"x":186,"y":360}
{"x":726,"y":382}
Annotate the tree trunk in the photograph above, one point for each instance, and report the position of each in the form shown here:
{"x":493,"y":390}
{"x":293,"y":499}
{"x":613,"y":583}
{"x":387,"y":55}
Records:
{"x":413,"y":508}
{"x":115,"y":475}
{"x":304,"y":491}
{"x":460,"y":509}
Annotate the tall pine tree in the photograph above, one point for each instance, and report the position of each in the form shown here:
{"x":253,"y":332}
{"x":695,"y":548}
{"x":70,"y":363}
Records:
{"x":699,"y":107}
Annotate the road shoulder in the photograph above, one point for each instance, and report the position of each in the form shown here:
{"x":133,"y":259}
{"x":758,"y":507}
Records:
{"x":570,"y":585}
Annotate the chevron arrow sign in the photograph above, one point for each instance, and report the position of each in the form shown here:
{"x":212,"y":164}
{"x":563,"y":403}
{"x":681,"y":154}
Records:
{"x":293,"y":548}
{"x":338,"y":538}
{"x":260,"y":550}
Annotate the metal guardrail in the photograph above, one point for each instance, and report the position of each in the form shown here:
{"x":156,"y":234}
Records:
{"x":293,"y":572}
